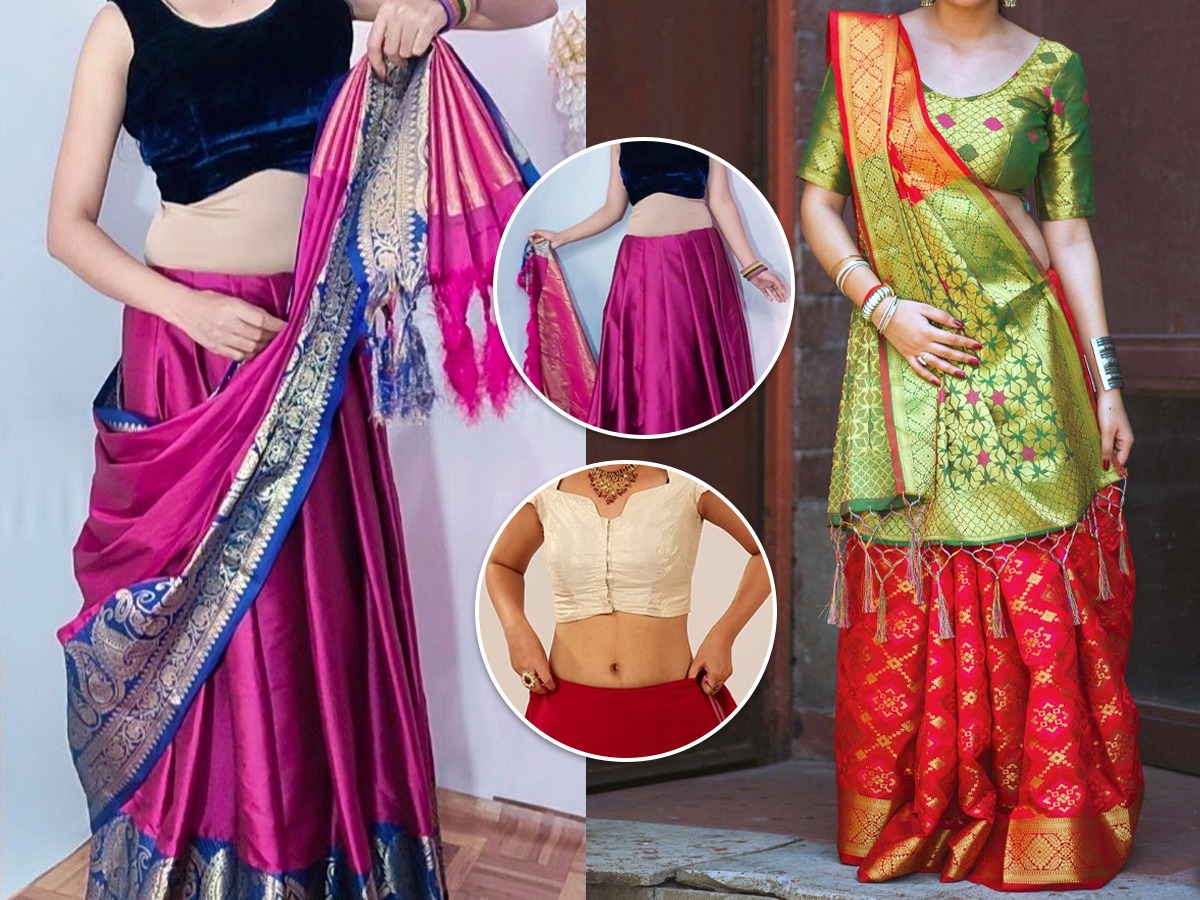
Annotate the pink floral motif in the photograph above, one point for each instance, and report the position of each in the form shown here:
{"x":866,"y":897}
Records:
{"x":994,"y":124}
{"x":972,"y":396}
{"x":1059,"y":106}
{"x":984,"y":457}
{"x":1034,"y":137}
{"x":1028,"y":453}
{"x":1087,"y":98}
{"x":998,"y":397}
{"x":1046,"y":90}
{"x":945,"y":120}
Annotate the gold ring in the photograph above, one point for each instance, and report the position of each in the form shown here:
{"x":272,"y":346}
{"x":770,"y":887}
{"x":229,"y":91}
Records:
{"x":529,"y":680}
{"x":713,"y":688}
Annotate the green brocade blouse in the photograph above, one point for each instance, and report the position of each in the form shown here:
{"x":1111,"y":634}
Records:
{"x":1033,"y":129}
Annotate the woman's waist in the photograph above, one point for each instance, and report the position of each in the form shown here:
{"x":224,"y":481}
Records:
{"x":621,"y":649}
{"x":252,"y":226}
{"x":573,"y":690}
{"x":661,"y":215}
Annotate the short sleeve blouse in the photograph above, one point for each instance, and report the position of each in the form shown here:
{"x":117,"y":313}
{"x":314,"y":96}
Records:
{"x":1033,"y":129}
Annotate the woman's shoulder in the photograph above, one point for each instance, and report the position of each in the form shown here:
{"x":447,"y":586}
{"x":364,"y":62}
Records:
{"x":110,"y":35}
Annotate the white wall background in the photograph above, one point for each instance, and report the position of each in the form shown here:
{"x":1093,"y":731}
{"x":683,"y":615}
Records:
{"x":58,"y":339}
{"x":577,"y":189}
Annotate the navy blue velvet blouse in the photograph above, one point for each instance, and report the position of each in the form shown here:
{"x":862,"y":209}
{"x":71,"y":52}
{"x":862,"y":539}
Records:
{"x":210,"y":106}
{"x":656,"y":167}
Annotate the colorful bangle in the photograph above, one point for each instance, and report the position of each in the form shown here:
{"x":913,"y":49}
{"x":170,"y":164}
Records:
{"x":874,"y":297}
{"x":753,"y":270}
{"x":457,"y":12}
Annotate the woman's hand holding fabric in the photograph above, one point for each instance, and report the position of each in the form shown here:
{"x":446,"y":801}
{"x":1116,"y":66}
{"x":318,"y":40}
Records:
{"x":526,"y":653}
{"x":553,"y":237}
{"x":224,"y":325}
{"x":715,"y":660}
{"x":915,"y":333}
{"x":403,"y":29}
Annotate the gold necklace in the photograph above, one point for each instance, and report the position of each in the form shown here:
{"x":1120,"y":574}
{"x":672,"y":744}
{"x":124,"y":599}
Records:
{"x":609,"y":484}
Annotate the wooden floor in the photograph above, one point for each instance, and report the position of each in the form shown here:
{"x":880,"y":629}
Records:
{"x":493,"y":850}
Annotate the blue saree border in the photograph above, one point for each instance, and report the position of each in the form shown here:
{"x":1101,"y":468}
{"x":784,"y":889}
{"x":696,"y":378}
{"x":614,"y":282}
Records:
{"x":126,"y":864}
{"x":107,"y":407}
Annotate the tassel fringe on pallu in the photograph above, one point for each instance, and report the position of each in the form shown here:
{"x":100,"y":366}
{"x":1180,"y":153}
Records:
{"x":428,"y":250}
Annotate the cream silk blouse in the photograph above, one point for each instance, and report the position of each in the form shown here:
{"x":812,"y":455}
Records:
{"x":639,"y":562}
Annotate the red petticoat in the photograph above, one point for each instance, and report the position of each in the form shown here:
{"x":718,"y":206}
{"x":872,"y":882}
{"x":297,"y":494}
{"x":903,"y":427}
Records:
{"x":628,"y":723}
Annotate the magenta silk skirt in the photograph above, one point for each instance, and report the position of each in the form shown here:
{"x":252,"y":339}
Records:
{"x":674,"y":346}
{"x":628,"y":723}
{"x":306,"y":755}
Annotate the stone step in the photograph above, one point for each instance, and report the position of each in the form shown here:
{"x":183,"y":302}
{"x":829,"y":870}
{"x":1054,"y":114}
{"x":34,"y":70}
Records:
{"x":641,"y":861}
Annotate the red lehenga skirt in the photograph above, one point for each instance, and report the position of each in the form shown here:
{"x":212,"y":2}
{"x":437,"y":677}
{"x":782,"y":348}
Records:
{"x":984,"y":729}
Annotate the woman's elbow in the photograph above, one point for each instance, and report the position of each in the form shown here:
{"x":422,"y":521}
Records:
{"x":58,"y":239}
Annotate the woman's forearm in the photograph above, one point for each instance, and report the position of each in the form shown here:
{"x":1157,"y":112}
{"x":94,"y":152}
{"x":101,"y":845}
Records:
{"x":498,"y":14}
{"x":1073,"y":256}
{"x":752,"y":590}
{"x":825,"y":231}
{"x":87,"y":250}
{"x":728,"y":219}
{"x":488,"y":15}
{"x":506,"y":588}
{"x":601,"y":220}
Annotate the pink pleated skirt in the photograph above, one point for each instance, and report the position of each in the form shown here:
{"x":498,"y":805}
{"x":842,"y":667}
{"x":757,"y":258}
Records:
{"x":306,"y":753}
{"x":674,"y":345}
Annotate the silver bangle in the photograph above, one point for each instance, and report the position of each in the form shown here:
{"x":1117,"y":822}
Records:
{"x":844,"y":273}
{"x":886,"y":319}
{"x":1105,"y":354}
{"x":873,"y":299}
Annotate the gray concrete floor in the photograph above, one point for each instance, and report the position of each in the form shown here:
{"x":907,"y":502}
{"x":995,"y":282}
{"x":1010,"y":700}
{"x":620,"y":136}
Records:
{"x":769,"y":831}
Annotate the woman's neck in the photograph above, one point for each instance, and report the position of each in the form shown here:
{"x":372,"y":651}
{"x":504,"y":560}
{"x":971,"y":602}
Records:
{"x":965,"y":25}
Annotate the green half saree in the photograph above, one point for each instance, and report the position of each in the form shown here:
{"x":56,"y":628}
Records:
{"x":984,"y":729}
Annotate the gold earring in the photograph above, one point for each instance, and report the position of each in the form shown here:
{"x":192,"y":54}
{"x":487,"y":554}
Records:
{"x":927,"y":2}
{"x":1010,"y":3}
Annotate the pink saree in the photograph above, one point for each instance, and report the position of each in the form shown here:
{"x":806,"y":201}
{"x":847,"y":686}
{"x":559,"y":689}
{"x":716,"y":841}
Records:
{"x":245,"y":703}
{"x":559,"y":362}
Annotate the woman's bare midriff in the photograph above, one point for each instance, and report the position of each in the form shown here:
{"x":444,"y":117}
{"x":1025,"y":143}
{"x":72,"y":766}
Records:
{"x":662,"y":214}
{"x":621,"y":650}
{"x":249,"y":228}
{"x":1014,"y":208}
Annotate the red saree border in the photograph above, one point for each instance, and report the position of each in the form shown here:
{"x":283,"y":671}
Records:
{"x":1008,"y":861}
{"x":833,"y":46}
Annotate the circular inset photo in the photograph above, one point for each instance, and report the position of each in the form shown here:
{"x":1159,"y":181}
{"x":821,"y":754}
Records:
{"x":644,"y":287}
{"x":623,"y":611}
